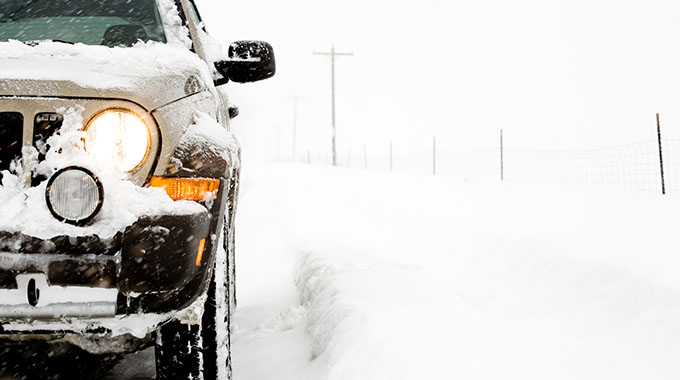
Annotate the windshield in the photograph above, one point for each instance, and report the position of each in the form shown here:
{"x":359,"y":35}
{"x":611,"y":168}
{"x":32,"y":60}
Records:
{"x":92,"y":22}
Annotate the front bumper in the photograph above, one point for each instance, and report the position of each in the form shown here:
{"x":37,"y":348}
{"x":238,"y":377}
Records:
{"x":120,"y":334}
{"x":151,"y":267}
{"x":106,"y":295}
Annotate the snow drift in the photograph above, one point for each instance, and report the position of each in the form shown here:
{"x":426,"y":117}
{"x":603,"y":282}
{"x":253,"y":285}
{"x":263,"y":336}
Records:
{"x":357,"y":275}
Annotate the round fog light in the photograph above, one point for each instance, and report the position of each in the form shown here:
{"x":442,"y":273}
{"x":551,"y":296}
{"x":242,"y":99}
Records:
{"x":74,"y":195}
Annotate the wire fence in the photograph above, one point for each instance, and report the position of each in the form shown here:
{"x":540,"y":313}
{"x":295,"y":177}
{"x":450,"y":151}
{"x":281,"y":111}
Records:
{"x":634,"y":166}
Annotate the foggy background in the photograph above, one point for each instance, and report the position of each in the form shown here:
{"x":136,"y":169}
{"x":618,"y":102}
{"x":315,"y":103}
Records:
{"x":508,"y":279}
{"x":553,"y":74}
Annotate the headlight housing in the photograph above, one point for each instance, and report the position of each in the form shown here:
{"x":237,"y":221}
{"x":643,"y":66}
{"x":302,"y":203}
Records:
{"x":118,"y":138}
{"x":74,"y":195}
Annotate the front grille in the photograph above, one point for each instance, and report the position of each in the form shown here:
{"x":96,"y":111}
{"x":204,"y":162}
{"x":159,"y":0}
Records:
{"x":44,"y":126}
{"x":11,"y":134}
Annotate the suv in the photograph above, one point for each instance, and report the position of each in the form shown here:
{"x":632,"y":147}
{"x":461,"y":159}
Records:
{"x":119,"y":180}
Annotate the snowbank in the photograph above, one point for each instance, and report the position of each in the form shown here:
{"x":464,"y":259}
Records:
{"x":356,"y":275}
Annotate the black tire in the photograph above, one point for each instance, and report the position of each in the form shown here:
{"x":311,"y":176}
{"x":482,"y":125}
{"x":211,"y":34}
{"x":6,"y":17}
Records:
{"x":200,"y":351}
{"x":230,"y":242}
{"x":177,"y":354}
{"x":230,"y":248}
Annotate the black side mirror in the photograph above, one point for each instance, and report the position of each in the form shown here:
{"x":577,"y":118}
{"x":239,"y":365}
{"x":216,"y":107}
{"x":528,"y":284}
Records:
{"x":249,"y":61}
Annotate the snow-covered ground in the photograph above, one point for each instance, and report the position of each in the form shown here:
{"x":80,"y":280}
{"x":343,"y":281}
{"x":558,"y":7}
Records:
{"x":358,"y":275}
{"x":361,"y":275}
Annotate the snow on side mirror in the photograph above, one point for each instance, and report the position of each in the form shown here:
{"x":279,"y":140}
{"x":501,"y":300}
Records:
{"x":249,"y":61}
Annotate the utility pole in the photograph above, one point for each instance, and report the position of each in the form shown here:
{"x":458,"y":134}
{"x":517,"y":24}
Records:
{"x":502,"y":158}
{"x":434,"y":155}
{"x":333,"y":54}
{"x":391,"y":160}
{"x":365,"y":158}
{"x":295,"y":98}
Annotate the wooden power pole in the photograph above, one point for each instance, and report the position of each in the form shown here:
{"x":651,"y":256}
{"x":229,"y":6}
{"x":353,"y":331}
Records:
{"x":502,"y":158}
{"x":333,"y":54}
{"x":295,"y":100}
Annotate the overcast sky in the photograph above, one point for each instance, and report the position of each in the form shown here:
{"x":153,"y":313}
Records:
{"x":553,"y":74}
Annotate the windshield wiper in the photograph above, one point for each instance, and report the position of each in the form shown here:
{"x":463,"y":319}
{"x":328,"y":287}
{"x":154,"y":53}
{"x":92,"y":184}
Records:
{"x":37,"y":42}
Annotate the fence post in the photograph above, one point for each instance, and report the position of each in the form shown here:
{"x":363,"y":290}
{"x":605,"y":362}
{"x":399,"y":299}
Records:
{"x":658,"y":132}
{"x":349,"y":157}
{"x":502,"y":158}
{"x":391,"y":163}
{"x":434,"y":155}
{"x":365,"y":158}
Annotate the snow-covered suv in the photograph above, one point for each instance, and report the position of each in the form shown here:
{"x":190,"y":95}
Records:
{"x":119,"y":179}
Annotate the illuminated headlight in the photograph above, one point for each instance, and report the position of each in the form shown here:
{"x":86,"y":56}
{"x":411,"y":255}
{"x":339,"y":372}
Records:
{"x":74,"y":195}
{"x":118,"y":138}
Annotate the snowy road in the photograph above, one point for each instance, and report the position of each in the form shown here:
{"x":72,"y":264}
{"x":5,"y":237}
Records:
{"x":356,"y":275}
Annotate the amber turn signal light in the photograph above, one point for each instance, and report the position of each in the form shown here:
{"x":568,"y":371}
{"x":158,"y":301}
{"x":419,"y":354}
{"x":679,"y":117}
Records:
{"x":199,"y":254}
{"x":187,"y":189}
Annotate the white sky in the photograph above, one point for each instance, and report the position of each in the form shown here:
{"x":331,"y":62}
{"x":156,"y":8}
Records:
{"x":553,"y":74}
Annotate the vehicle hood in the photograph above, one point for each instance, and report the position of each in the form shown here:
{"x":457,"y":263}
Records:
{"x":151,"y":74}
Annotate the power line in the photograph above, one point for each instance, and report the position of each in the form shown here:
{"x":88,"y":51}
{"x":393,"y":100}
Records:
{"x":333,"y":54}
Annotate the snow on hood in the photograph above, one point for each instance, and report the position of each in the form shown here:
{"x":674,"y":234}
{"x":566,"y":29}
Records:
{"x":151,"y":74}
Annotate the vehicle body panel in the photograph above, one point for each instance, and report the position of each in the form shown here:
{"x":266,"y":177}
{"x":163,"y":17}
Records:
{"x":148,"y":273}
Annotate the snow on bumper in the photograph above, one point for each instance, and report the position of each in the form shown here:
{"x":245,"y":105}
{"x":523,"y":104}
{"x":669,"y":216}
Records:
{"x":158,"y":264}
{"x":107,"y":295}
{"x":35,"y":298}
